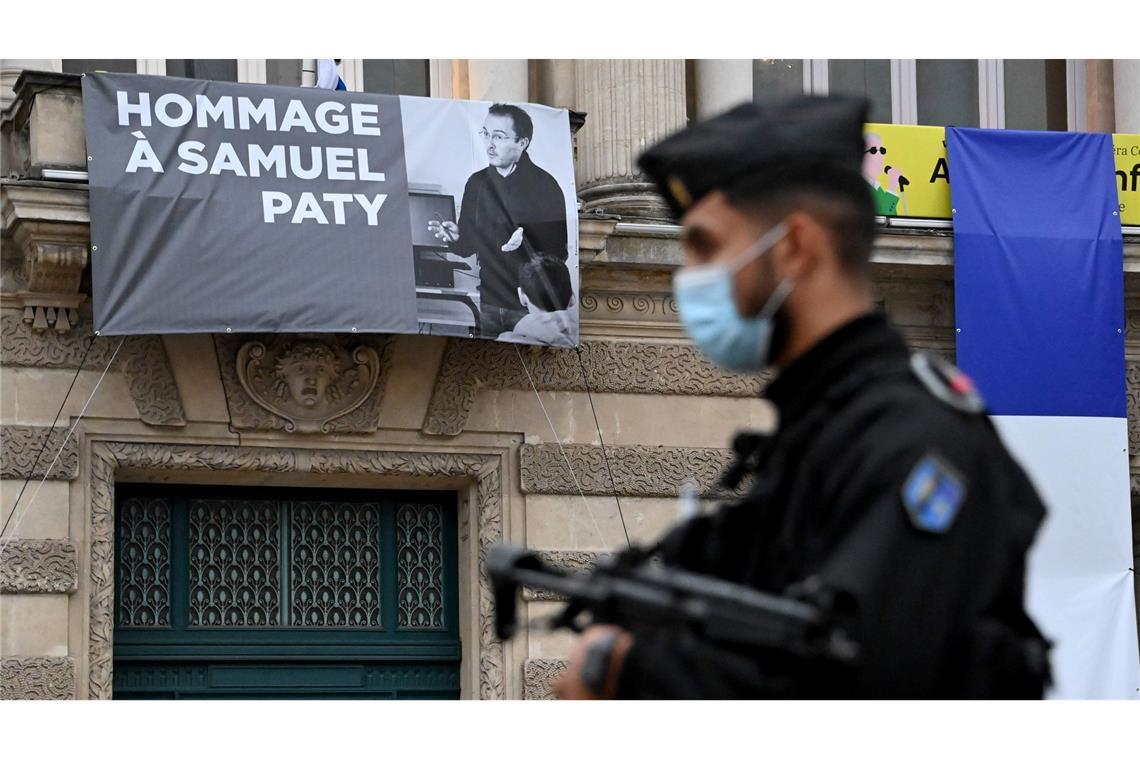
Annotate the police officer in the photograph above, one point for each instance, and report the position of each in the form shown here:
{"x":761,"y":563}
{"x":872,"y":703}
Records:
{"x":883,"y":482}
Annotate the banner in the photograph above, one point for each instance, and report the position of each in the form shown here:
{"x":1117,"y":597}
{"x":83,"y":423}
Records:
{"x":909,"y":172}
{"x":1039,"y":300}
{"x":219,"y":207}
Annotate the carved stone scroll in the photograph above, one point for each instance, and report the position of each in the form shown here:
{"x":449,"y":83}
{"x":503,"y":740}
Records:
{"x":37,"y":678}
{"x":539,"y":675}
{"x":31,"y":566}
{"x":21,"y":444}
{"x":146,"y":368}
{"x":637,"y":470}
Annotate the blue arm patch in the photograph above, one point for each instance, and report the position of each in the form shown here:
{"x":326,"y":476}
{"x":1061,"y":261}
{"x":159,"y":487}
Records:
{"x":932,"y":494}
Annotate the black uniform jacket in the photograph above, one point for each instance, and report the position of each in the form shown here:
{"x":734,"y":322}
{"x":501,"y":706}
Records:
{"x":936,"y":614}
{"x":495,"y":206}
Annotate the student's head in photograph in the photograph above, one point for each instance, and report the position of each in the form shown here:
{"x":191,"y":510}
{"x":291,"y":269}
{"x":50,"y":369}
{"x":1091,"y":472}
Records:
{"x":507,"y":132}
{"x":545,"y":285}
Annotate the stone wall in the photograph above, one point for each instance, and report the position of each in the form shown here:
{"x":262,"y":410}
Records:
{"x":176,"y":408}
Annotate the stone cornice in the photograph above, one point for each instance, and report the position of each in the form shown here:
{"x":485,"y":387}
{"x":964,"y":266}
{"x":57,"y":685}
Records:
{"x":38,"y":200}
{"x":593,"y":231}
{"x":30,"y":83}
{"x":49,"y":229}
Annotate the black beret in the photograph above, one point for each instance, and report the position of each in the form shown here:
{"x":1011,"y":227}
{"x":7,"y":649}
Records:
{"x":752,"y":139}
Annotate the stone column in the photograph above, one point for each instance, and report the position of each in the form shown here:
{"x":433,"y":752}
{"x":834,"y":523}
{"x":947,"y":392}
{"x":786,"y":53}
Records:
{"x":1126,"y":90}
{"x":629,"y":105}
{"x":556,"y":83}
{"x":10,"y":69}
{"x":722,"y":83}
{"x":503,"y":80}
{"x":440,"y":79}
{"x":1099,"y":96}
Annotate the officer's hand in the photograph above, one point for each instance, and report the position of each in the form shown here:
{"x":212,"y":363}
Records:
{"x":570,"y":685}
{"x":448,"y":232}
{"x":515,"y":241}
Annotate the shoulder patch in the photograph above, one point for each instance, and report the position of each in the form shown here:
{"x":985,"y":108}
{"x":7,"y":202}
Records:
{"x":947,"y":383}
{"x":932,"y":494}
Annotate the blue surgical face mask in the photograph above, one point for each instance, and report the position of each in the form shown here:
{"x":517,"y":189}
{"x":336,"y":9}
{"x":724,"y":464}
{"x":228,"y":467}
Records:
{"x":708,"y":309}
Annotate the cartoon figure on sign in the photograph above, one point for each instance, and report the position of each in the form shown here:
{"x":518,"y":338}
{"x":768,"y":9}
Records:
{"x":874,"y":166}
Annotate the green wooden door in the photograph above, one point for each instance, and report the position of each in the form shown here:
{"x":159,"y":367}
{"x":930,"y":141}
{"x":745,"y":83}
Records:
{"x":237,"y":592}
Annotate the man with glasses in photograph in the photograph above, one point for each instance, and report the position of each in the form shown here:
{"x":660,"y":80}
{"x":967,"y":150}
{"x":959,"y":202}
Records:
{"x":512,"y":212}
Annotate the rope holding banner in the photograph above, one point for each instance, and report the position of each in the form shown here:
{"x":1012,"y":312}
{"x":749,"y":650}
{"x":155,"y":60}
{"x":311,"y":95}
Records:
{"x":565,"y":456}
{"x":605,"y":455}
{"x":66,"y":438}
{"x":82,"y":361}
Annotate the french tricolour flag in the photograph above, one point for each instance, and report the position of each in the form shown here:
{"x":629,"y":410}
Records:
{"x":328,"y":78}
{"x":1039,"y":299}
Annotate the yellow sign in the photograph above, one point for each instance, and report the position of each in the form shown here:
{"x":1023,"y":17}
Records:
{"x":906,"y":167}
{"x":909,"y":175}
{"x":1127,"y":150}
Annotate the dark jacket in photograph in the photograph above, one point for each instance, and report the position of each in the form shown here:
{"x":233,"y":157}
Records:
{"x":495,"y":206}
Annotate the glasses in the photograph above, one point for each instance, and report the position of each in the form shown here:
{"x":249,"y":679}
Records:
{"x":496,"y":137}
{"x":875,"y":150}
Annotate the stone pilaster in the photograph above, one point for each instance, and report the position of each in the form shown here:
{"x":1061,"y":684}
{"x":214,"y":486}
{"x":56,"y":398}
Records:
{"x":503,"y":80}
{"x":631,"y":104}
{"x":1126,"y":91}
{"x":1099,"y":96}
{"x":555,"y":83}
{"x":722,"y":83}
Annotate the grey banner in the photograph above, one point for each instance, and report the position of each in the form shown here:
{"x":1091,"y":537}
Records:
{"x":219,"y":207}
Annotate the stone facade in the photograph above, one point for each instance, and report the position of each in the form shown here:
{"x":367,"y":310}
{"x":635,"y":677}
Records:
{"x":495,"y":423}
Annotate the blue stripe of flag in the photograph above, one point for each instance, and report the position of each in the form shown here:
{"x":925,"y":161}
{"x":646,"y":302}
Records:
{"x":1038,"y":271}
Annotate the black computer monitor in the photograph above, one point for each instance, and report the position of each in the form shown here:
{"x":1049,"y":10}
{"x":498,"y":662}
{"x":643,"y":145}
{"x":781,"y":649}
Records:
{"x":426,"y":207}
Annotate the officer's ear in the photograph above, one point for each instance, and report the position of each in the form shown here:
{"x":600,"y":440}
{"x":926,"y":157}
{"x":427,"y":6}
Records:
{"x":798,"y":253}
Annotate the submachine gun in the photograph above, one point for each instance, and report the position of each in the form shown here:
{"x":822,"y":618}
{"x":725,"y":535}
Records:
{"x":631,"y":591}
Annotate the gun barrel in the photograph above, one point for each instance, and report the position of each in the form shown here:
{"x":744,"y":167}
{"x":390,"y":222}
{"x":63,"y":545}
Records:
{"x":645,"y":597}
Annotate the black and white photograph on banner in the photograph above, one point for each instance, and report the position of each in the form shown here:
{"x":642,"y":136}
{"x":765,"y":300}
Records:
{"x":494,"y":220}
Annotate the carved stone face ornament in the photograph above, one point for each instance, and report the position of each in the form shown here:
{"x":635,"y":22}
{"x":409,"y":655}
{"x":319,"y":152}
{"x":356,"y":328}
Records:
{"x":305,"y":371}
{"x":308,"y":382}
